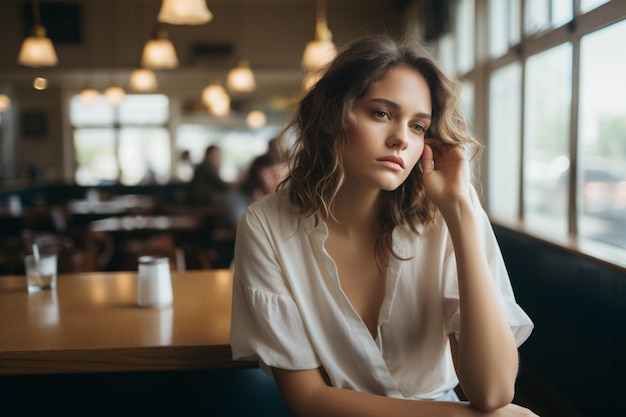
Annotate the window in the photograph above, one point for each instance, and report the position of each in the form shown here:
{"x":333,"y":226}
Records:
{"x":504,"y":26}
{"x":465,"y":43}
{"x":546,"y":139}
{"x":542,"y":15}
{"x":554,"y":116}
{"x":129,"y":144}
{"x":239,"y":145}
{"x":505,"y":91}
{"x":602,"y":136}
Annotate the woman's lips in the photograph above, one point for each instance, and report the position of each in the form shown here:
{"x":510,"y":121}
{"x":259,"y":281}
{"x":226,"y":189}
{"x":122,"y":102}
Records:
{"x":393,"y":162}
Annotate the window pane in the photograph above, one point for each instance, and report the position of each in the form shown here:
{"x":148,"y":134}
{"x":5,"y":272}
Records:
{"x":144,"y":155}
{"x":152,"y":109}
{"x":546,"y":14}
{"x":446,"y":54}
{"x":602,"y":129}
{"x":546,"y":139}
{"x":587,"y":5}
{"x":99,"y":113}
{"x":504,"y":147}
{"x":465,"y":35}
{"x":239,"y":146}
{"x":466,"y":101}
{"x":504,"y":26}
{"x":95,"y":156}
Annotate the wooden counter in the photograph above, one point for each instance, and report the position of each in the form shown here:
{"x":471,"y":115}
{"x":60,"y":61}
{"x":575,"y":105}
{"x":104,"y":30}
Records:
{"x":91,"y":323}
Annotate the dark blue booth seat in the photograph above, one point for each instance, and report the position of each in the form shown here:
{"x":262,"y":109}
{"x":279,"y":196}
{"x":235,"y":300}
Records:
{"x":219,"y":393}
{"x":575,"y":360}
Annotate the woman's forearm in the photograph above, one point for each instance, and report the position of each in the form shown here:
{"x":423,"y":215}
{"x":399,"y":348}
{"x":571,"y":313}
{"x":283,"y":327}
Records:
{"x":306,"y":395}
{"x":486,"y":353}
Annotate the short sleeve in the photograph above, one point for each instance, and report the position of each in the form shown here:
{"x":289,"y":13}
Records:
{"x":521,"y":325}
{"x":266,"y":323}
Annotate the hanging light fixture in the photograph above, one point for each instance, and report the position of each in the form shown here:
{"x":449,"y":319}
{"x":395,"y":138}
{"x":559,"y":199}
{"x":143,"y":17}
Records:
{"x":37,"y":50}
{"x":184,"y":12}
{"x":143,"y":79}
{"x":89,"y":95}
{"x":320,"y":51}
{"x":241,"y":78}
{"x":256,"y":119}
{"x":114,"y":95}
{"x":40,"y":83}
{"x":216,"y":99}
{"x":5,"y":103}
{"x":159,"y":53}
{"x":310,"y":79}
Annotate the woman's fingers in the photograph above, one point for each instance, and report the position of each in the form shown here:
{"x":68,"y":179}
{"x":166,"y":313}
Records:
{"x":427,"y":162}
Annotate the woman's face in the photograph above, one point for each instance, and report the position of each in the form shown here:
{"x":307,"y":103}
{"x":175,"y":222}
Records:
{"x":387,"y":137}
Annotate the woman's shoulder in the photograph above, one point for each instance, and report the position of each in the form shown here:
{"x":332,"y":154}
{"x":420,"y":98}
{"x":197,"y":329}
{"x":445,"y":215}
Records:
{"x":278,"y":200}
{"x":274,"y":208}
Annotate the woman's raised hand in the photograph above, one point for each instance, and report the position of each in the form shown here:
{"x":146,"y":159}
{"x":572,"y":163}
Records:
{"x":445,"y":173}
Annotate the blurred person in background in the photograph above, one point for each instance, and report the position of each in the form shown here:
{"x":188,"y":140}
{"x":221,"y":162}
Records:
{"x":206,"y":186}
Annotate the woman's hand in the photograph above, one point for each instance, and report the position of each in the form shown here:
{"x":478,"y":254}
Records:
{"x":445,"y":173}
{"x":511,"y":410}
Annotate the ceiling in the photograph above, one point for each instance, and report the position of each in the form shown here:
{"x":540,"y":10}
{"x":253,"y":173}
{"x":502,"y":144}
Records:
{"x":270,"y":34}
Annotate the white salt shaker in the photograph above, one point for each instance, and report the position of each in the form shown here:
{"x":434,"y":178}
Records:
{"x":154,"y":286}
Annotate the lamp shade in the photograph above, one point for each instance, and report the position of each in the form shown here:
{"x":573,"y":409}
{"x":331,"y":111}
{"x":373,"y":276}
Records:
{"x":89,"y":95}
{"x":143,"y":79}
{"x":40,"y":83}
{"x":256,"y":119}
{"x":321,"y":51}
{"x":310,"y":79}
{"x":216,"y":99}
{"x":114,"y":95}
{"x":37,"y":51}
{"x":159,"y":53}
{"x":5,"y":103}
{"x":184,"y":12}
{"x":241,"y":78}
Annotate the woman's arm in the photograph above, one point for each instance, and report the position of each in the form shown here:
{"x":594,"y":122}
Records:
{"x":485,"y":354}
{"x":306,"y":394}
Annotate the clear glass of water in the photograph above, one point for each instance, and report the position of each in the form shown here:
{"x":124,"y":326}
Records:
{"x":41,"y":274}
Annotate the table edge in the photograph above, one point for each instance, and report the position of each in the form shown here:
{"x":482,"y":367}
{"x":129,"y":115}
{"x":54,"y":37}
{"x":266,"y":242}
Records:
{"x":132,"y":359}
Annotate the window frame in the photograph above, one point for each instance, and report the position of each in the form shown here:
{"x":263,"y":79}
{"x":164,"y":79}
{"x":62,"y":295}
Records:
{"x":485,"y":65}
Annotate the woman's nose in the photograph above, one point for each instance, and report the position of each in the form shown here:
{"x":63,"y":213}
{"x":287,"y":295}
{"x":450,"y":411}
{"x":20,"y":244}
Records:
{"x":398,"y":137}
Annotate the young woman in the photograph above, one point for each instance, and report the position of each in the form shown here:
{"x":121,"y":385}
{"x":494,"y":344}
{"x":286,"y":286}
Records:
{"x":372,"y":281}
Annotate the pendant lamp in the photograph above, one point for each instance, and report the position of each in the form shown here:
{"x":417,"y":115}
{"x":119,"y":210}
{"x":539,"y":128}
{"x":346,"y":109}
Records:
{"x":159,"y":53}
{"x":89,"y":95}
{"x":241,"y":78}
{"x":184,"y":12}
{"x":143,"y":79}
{"x":256,"y":119}
{"x":37,"y":50}
{"x":320,"y":51}
{"x":216,"y":99}
{"x":5,"y":103}
{"x":114,"y":95}
{"x":40,"y":83}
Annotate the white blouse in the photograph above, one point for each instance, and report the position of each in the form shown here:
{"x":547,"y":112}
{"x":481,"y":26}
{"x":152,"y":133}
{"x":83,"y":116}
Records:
{"x":290,"y":312}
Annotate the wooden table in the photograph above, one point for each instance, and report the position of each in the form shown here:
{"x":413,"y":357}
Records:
{"x":91,"y":324}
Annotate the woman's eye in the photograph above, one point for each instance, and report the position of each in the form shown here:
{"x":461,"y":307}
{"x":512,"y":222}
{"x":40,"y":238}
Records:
{"x":419,"y":128}
{"x":380,"y":114}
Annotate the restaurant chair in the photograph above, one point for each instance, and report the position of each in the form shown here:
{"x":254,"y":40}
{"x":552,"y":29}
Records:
{"x":163,"y":244}
{"x":90,"y":252}
{"x":11,"y":253}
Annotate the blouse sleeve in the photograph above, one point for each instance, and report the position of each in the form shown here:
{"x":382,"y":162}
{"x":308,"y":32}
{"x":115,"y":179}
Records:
{"x":520,"y":323}
{"x":266,"y":323}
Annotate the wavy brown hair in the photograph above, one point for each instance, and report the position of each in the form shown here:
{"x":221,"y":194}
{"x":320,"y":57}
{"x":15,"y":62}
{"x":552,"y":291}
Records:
{"x":322,"y":122}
